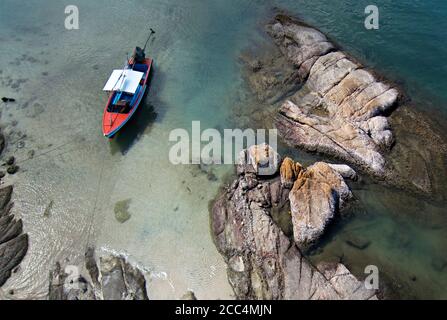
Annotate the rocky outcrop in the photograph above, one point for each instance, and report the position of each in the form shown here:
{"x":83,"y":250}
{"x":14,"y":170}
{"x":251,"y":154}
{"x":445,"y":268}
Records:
{"x":263,"y":263}
{"x":419,"y":156}
{"x":121,"y":281}
{"x":323,"y":101}
{"x":345,"y":171}
{"x":273,"y":79}
{"x":13,"y":242}
{"x":259,"y":159}
{"x":318,"y":194}
{"x":114,"y":279}
{"x":64,"y":287}
{"x":290,"y":171}
{"x":341,"y":108}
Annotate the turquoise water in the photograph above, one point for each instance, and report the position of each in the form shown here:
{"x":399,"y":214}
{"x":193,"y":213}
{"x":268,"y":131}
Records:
{"x":197,"y":77}
{"x":408,"y":47}
{"x":407,"y":235}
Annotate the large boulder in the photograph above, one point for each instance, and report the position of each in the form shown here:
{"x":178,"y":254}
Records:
{"x":263,"y":263}
{"x":317,"y":196}
{"x":323,"y":101}
{"x":339,"y":110}
{"x":259,"y":159}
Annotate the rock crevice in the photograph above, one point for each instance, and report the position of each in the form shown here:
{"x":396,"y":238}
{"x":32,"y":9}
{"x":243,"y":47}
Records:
{"x":263,"y":263}
{"x":113,"y":279}
{"x":13,"y":242}
{"x":339,"y":110}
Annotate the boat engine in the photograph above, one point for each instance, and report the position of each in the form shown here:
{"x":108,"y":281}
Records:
{"x":138,"y":55}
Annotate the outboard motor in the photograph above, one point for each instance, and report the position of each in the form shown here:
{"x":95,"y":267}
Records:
{"x":138,"y":55}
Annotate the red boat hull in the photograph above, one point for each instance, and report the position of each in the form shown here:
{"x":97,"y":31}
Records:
{"x":112,"y":122}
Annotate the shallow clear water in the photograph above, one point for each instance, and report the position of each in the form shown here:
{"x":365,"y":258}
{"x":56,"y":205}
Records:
{"x":404,"y":237}
{"x":408,"y":47}
{"x":196,"y":77}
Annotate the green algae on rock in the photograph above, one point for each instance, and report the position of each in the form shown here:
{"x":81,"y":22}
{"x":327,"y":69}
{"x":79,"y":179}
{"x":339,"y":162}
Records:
{"x":47,"y":211}
{"x":122,"y":210}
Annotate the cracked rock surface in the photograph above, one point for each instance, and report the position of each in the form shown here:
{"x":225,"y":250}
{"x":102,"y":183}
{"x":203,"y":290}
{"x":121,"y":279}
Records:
{"x":323,"y":101}
{"x":13,"y":242}
{"x":114,"y":279}
{"x":318,"y":194}
{"x":340,"y":109}
{"x":263,"y":263}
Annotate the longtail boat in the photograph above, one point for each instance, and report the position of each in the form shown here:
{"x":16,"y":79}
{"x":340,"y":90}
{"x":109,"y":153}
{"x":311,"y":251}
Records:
{"x":127,"y":87}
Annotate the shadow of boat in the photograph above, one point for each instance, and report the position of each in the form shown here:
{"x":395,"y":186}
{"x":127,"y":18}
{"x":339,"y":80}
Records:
{"x":140,"y":123}
{"x":137,"y":126}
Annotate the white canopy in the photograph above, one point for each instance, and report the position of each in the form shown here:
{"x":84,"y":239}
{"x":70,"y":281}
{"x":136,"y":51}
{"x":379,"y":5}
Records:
{"x":124,"y":80}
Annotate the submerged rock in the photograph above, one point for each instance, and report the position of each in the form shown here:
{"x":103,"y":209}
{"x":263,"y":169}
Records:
{"x":10,"y":161}
{"x":48,"y":208}
{"x":122,"y":210}
{"x":358,"y":242}
{"x":439,"y":263}
{"x":262,"y":261}
{"x":13,"y":242}
{"x":12,"y":169}
{"x":272,"y":78}
{"x":5,"y":99}
{"x":419,"y":155}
